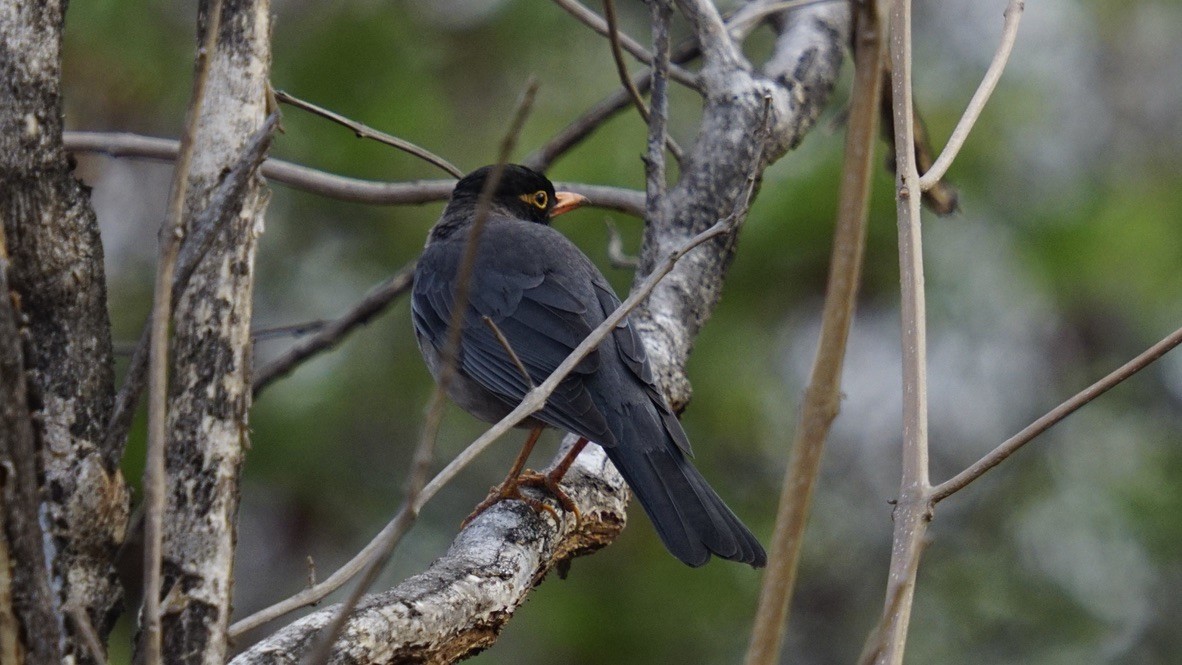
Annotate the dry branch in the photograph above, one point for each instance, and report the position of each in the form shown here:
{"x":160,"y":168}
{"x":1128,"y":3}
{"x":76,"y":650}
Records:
{"x":459,"y":604}
{"x":822,"y":397}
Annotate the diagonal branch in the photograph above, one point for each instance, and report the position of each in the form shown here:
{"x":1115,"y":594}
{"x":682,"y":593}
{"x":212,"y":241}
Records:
{"x":1011,"y":445}
{"x":327,"y":337}
{"x":599,"y":25}
{"x":366,"y":132}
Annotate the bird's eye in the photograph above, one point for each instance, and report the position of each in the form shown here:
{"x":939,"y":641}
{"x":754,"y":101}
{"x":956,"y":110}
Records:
{"x":540,"y":199}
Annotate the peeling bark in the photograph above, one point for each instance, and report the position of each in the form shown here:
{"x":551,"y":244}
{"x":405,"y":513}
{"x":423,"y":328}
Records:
{"x":210,"y":384}
{"x":458,"y":606}
{"x":56,"y":272}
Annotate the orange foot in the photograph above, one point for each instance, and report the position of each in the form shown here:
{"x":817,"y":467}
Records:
{"x":511,"y":489}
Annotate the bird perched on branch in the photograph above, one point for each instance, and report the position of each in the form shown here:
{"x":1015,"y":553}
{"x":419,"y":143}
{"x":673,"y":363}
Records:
{"x":531,"y":297}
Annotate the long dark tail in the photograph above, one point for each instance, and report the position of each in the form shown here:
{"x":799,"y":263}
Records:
{"x":689,"y":516}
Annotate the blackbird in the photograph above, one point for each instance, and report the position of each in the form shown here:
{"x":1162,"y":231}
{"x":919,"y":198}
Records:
{"x":533,"y":296}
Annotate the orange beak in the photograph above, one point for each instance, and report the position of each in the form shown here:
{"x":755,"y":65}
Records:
{"x":566,"y":202}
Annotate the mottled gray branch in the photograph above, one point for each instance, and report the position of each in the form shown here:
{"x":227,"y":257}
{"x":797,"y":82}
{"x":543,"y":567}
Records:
{"x":210,"y":383}
{"x":55,"y":271}
{"x":31,"y":630}
{"x":459,"y":605}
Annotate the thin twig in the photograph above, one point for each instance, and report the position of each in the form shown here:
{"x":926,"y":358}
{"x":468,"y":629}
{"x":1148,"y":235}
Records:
{"x":599,"y":25}
{"x":1012,"y":444}
{"x":615,"y":248}
{"x":913,"y":510}
{"x":424,"y":451}
{"x":822,"y":398}
{"x":496,"y":331}
{"x":374,"y":303}
{"x":609,"y":12}
{"x":1013,"y":15}
{"x":654,"y":161}
{"x":613,"y":38}
{"x":288,"y":330}
{"x":366,"y":132}
{"x":171,"y":235}
{"x":341,"y":188}
{"x":90,"y":636}
{"x":207,"y":226}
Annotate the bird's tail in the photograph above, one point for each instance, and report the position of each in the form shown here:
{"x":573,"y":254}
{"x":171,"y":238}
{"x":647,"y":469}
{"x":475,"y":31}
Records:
{"x":689,"y":516}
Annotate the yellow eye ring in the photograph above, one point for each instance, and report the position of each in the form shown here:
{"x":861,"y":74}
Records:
{"x":538,"y":199}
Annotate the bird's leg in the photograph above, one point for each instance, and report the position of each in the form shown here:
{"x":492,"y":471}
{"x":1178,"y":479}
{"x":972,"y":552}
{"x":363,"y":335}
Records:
{"x":551,"y":479}
{"x":510,"y":488}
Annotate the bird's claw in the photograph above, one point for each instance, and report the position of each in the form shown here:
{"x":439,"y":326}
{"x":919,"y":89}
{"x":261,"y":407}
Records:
{"x":511,"y":489}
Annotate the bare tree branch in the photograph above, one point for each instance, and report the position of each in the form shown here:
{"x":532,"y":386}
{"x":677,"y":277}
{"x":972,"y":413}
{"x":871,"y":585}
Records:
{"x":1012,"y":444}
{"x":366,"y":132}
{"x":599,"y":25}
{"x":458,"y":605}
{"x":1013,"y":15}
{"x":334,"y":186}
{"x":327,"y":337}
{"x":913,"y":510}
{"x":822,"y":398}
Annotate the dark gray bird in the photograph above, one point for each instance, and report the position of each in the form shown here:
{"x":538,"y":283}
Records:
{"x":544,"y":296}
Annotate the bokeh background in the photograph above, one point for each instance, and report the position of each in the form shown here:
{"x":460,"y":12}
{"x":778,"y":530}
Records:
{"x":1063,"y":263}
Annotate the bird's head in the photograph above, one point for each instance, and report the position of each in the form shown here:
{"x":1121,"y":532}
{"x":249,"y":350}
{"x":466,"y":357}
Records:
{"x":521,"y":192}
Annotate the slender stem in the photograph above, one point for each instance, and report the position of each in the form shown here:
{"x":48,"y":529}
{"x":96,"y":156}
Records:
{"x":327,"y":337}
{"x":596,"y":23}
{"x":1011,"y":445}
{"x":609,"y":12}
{"x":172,"y":233}
{"x":654,"y":161}
{"x":822,"y":398}
{"x":913,"y":510}
{"x":613,"y":33}
{"x":366,"y":132}
{"x":504,"y":341}
{"x":1013,"y":15}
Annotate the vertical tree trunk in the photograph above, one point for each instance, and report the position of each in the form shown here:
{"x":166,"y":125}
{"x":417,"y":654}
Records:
{"x":58,"y":286}
{"x":210,"y":385}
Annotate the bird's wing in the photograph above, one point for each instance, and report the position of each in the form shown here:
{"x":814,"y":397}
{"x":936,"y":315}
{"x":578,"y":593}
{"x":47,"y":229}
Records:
{"x":534,"y":301}
{"x":632,"y":353}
